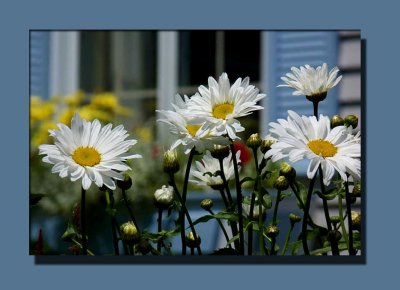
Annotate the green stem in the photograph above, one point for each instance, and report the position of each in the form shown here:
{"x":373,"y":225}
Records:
{"x":238,"y":200}
{"x":344,"y":232}
{"x":184,"y":209}
{"x":252,"y":203}
{"x":230,"y":204}
{"x":83,"y":222}
{"x":184,"y":194}
{"x":350,"y":223}
{"x":222,"y":228}
{"x":132,"y":216}
{"x":306,"y":214}
{"x":285,"y":246}
{"x":159,"y":220}
{"x":110,"y":201}
{"x":273,"y":239}
{"x":295,"y":189}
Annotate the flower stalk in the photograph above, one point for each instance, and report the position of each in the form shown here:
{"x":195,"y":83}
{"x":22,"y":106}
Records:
{"x":83,"y":222}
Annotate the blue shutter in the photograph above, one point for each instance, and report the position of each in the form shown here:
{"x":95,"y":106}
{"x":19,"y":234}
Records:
{"x":287,"y":49}
{"x":39,"y":63}
{"x":297,"y":48}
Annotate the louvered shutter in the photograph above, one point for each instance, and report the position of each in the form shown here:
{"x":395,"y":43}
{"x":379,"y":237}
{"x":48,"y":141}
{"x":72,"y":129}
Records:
{"x":284,"y":50}
{"x":39,"y":63}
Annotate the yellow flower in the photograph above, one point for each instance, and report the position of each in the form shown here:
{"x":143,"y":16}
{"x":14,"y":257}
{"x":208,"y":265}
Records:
{"x":41,"y":136}
{"x":109,"y":102}
{"x":40,"y":110}
{"x":75,"y":99}
{"x":144,"y":134}
{"x":90,"y":113}
{"x":66,"y":116}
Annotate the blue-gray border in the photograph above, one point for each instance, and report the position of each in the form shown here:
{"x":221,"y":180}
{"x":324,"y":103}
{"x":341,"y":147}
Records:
{"x":378,"y":21}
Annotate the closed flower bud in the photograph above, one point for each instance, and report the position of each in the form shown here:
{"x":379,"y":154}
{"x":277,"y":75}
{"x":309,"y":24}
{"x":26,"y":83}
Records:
{"x":356,"y":190}
{"x":170,"y":162}
{"x":206,"y":204}
{"x":191,"y":241}
{"x":351,"y":120}
{"x":272,"y":231}
{"x":144,"y":247}
{"x":356,"y":220}
{"x":164,"y":196}
{"x":336,"y":121}
{"x":126,"y":183}
{"x":288,"y":171}
{"x":334,"y":219}
{"x":294,"y":218}
{"x":334,"y":236}
{"x":266,"y":145}
{"x":129,"y":232}
{"x":281,"y":183}
{"x":220,"y":152}
{"x":254,"y":141}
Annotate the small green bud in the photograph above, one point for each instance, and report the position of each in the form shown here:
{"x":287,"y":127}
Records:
{"x":317,"y":97}
{"x":126,"y":183}
{"x":281,"y":183}
{"x":220,"y":152}
{"x":266,"y":145}
{"x":206,"y":204}
{"x":294,"y":218}
{"x":170,"y":162}
{"x":356,"y":220}
{"x":191,"y":241}
{"x":335,"y":219}
{"x":272,"y":231}
{"x":334,"y":236}
{"x":356,"y":190}
{"x":351,"y":120}
{"x":288,"y":171}
{"x":254,"y":141}
{"x":336,"y":121}
{"x":69,"y":234}
{"x":129,"y":232}
{"x":144,"y":247}
{"x":164,"y":197}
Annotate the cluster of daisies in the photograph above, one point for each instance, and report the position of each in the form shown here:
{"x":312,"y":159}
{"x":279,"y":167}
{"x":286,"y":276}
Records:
{"x":98,"y":154}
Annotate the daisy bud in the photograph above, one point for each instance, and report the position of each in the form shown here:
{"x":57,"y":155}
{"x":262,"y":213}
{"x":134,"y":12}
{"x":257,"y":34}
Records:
{"x":144,"y":247}
{"x":334,"y":219}
{"x":126,"y":183}
{"x":334,"y":236}
{"x":164,"y":196}
{"x":356,"y":190}
{"x":254,"y":141}
{"x":129,"y":232}
{"x":336,"y":121}
{"x":266,"y":145}
{"x":281,"y":183}
{"x":315,"y":98}
{"x":206,"y":204}
{"x":356,"y":220}
{"x":272,"y":231}
{"x":191,"y":241}
{"x":294,"y":218}
{"x":170,"y":162}
{"x":220,"y":152}
{"x":288,"y":171}
{"x":351,"y":120}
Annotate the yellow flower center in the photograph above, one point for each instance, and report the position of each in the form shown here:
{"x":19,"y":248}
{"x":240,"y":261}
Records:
{"x":192,"y":129}
{"x":222,"y":110}
{"x":86,"y":156}
{"x":322,"y":147}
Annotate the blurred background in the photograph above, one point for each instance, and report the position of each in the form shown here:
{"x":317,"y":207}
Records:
{"x":124,"y":76}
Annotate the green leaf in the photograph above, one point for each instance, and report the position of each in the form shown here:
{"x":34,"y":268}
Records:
{"x":295,"y":247}
{"x":266,"y":174}
{"x":234,"y":238}
{"x":246,"y":179}
{"x":284,"y":195}
{"x":302,"y":194}
{"x":221,"y":215}
{"x":330,"y":194}
{"x":342,"y":247}
{"x":34,"y":198}
{"x":267,"y":201}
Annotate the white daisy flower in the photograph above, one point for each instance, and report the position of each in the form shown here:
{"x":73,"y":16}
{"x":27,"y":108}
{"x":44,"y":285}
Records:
{"x":305,"y":137}
{"x":89,"y":152}
{"x":311,"y":82}
{"x":221,"y":104}
{"x":205,"y":170}
{"x":190,"y":131}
